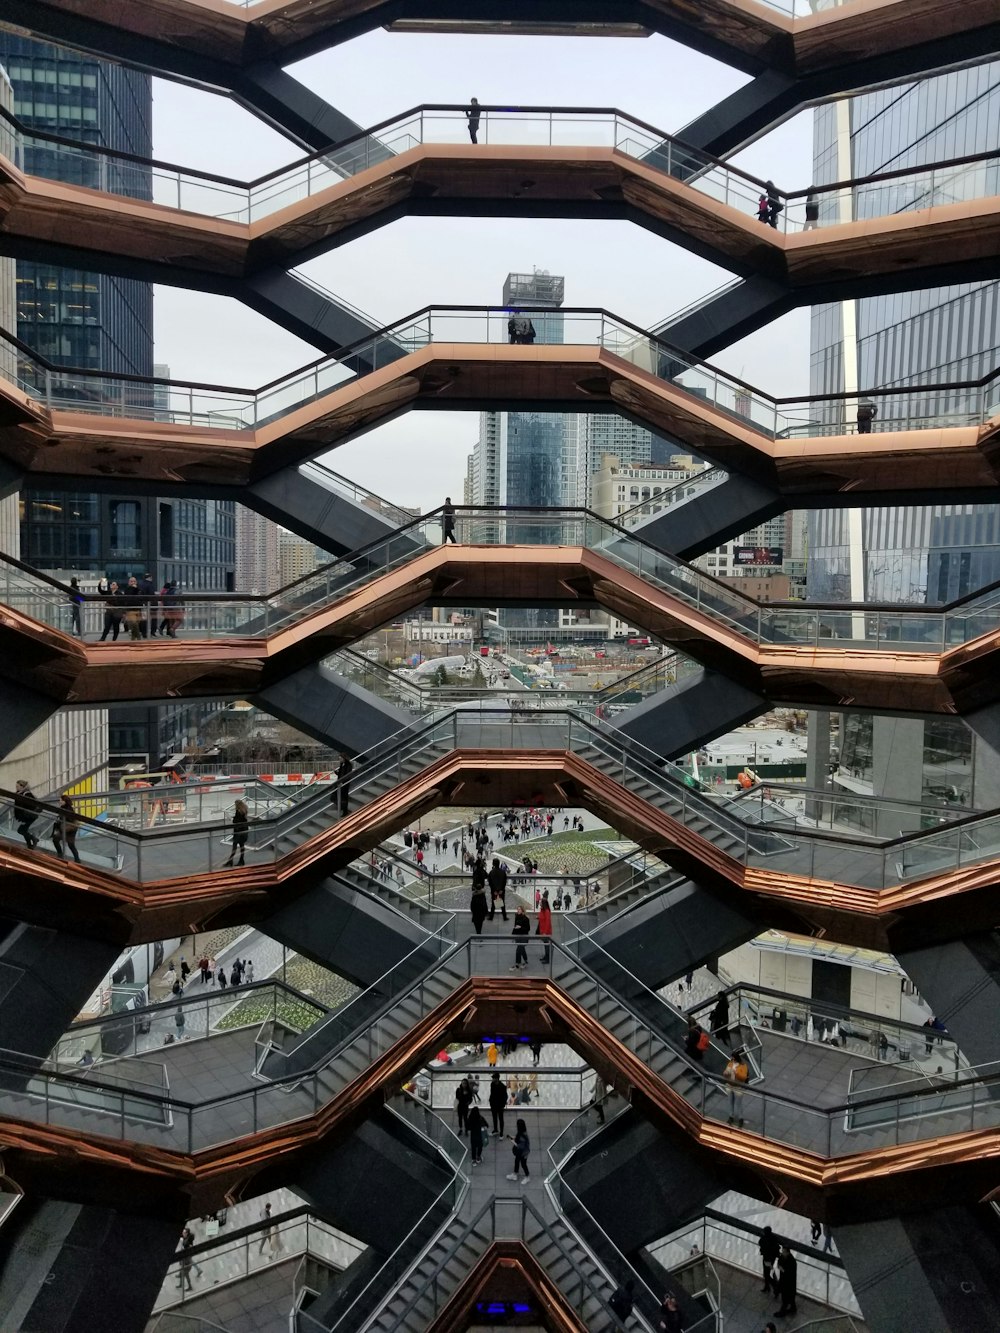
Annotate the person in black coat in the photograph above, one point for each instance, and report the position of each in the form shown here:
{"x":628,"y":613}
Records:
{"x":241,"y":831}
{"x":769,"y":1251}
{"x":448,"y":516}
{"x":497,"y":878}
{"x":498,"y":1100}
{"x":477,"y":1131}
{"x":522,"y":928}
{"x":344,"y":770}
{"x":25,"y":812}
{"x":463,"y":1100}
{"x":788,"y":1271}
{"x":718,"y":1022}
{"x":478,"y":907}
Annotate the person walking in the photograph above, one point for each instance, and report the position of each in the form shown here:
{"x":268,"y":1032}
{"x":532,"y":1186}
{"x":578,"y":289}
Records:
{"x":473,"y":115}
{"x":498,"y":1098}
{"x":867,"y":412}
{"x":220,"y":978}
{"x":718,"y":1022}
{"x":812,"y":210}
{"x":544,"y":927}
{"x":25,"y":812}
{"x":187,"y":1240}
{"x":522,"y":928}
{"x":179,"y":1022}
{"x":267,"y":1235}
{"x":788,"y":1270}
{"x":535,"y":1046}
{"x":112,"y":595}
{"x":147,"y":597}
{"x":477,"y":1127}
{"x":696,"y":1043}
{"x":769,"y":1250}
{"x":448,"y":522}
{"x":477,"y":907}
{"x":491,"y":1055}
{"x":736,"y":1074}
{"x":521,"y":1150}
{"x":463,"y":1100}
{"x":248,"y":971}
{"x":65,"y":828}
{"x":241,"y":831}
{"x":75,"y":599}
{"x":344,"y":770}
{"x":497,"y":879}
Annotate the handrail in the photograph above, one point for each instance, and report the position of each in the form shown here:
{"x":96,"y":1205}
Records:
{"x":332,"y":150}
{"x":179,"y":1001}
{"x":390,"y":750}
{"x":609,"y":528}
{"x":22,"y":1063}
{"x":345,"y":353}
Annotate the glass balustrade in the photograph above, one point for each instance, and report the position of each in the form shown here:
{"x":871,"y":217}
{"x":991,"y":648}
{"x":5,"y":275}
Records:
{"x":784,"y":625}
{"x":238,"y":410}
{"x":892,"y":1106}
{"x":161,"y":852}
{"x":240,"y":202}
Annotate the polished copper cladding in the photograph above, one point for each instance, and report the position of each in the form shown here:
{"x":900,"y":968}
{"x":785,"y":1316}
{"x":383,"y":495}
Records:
{"x":38,"y":1152}
{"x":754,"y":35}
{"x":51,"y":662}
{"x":46,"y":890}
{"x":474,"y":176}
{"x":465,"y":377}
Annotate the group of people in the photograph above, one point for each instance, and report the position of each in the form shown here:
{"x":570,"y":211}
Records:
{"x":472,"y":1123}
{"x":240,"y":972}
{"x":66,"y":825}
{"x":145,"y":612}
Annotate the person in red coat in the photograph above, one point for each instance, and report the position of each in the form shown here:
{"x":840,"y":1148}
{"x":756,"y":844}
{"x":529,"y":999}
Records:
{"x":544,"y":927}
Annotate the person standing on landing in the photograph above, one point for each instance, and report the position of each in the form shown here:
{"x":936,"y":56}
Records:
{"x":497,"y":1101}
{"x":522,"y":929}
{"x":472,"y":115}
{"x":477,"y":906}
{"x":544,"y":927}
{"x":477,"y":1130}
{"x":448,"y":515}
{"x":241,"y":831}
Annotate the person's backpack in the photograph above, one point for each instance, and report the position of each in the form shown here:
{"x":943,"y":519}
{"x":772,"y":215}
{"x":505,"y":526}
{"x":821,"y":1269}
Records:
{"x":703,"y":1041}
{"x":737,"y":1071}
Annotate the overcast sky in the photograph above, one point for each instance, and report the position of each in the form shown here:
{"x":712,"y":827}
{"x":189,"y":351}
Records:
{"x":417,"y":262}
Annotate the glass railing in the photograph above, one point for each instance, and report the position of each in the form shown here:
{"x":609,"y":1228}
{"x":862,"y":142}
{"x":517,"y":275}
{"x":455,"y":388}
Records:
{"x":910,"y":1110}
{"x":529,"y":127}
{"x":915,"y":630}
{"x":394,"y":871}
{"x":420,"y":1238}
{"x":671,"y":497}
{"x":734,"y":1242}
{"x":596,"y":1241}
{"x":133,"y":1106}
{"x":747,"y":408}
{"x":165,"y":853}
{"x":192,"y":1016}
{"x":359,"y":495}
{"x":874,"y":1037}
{"x":247,"y":1251}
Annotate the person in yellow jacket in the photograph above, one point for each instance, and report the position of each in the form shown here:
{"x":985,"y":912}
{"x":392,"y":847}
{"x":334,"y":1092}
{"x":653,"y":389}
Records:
{"x":491,"y":1055}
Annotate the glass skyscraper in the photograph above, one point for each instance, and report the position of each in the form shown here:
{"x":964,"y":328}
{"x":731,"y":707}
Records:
{"x":96,"y":321}
{"x":934,"y":553}
{"x":919,"y":553}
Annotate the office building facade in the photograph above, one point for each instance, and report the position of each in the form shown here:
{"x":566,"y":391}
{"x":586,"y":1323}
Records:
{"x":918,"y":554}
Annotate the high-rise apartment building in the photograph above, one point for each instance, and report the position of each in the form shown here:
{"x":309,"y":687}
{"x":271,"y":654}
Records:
{"x":949,"y":334}
{"x":258,"y":567}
